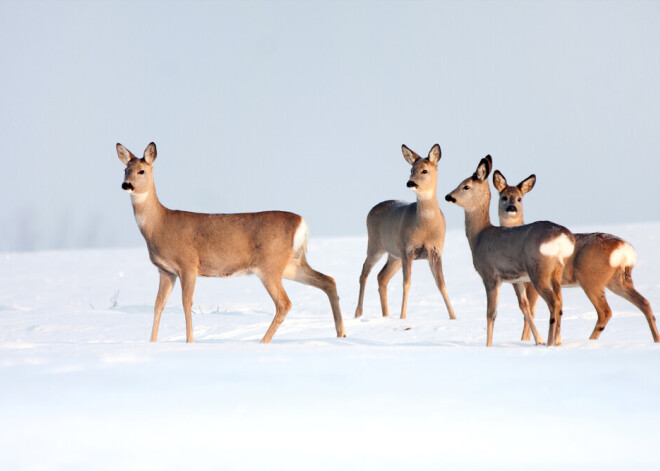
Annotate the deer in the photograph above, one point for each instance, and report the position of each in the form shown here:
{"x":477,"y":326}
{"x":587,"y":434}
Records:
{"x":531,"y":253}
{"x":599,"y":261}
{"x":271,"y":245}
{"x":407,"y":232}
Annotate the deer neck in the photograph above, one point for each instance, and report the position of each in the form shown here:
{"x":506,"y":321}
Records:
{"x":427,"y":206}
{"x":147,"y":210}
{"x":512,"y":222}
{"x":476,"y":220}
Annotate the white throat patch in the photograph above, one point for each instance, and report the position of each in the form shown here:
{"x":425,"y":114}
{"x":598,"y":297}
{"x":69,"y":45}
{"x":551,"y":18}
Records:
{"x":139,"y":197}
{"x":424,"y":195}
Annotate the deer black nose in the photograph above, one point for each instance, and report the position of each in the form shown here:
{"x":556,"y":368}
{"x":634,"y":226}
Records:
{"x":511,"y":209}
{"x":450,"y":198}
{"x":411,"y":184}
{"x":126,"y":186}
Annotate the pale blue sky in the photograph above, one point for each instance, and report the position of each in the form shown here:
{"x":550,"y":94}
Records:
{"x":303,"y":106}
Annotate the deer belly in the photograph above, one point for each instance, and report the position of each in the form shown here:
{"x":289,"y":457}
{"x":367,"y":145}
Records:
{"x":514,"y":277}
{"x":224,"y":272}
{"x":521,"y":279}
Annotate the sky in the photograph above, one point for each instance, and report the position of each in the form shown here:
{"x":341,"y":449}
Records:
{"x":303,"y":106}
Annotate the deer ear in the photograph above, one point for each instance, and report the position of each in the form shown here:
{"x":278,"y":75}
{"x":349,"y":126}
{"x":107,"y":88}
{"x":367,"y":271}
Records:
{"x":527,"y":184}
{"x":150,"y":153}
{"x":483,"y":170}
{"x":434,"y":154}
{"x":409,"y":155}
{"x":124,"y":154}
{"x":499,"y":181}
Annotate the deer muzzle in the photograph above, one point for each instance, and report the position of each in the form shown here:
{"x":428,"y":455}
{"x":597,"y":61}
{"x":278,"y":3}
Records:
{"x":127,"y":186}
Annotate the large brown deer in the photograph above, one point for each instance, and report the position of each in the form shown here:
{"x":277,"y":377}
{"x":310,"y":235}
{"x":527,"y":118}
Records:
{"x":534,"y":252}
{"x":600,"y":261}
{"x":407,"y":232}
{"x":270,"y":244}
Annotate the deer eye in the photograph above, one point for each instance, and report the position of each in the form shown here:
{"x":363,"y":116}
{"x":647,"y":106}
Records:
{"x":466,"y":187}
{"x":425,"y":171}
{"x":141,"y":172}
{"x":519,"y":200}
{"x":503,"y":198}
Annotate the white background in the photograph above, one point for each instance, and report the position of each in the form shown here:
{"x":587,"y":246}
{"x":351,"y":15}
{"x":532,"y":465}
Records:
{"x":303,"y":106}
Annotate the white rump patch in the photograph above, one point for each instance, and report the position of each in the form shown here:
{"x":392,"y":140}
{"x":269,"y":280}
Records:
{"x":300,"y":237}
{"x":560,"y":247}
{"x":623,"y":256}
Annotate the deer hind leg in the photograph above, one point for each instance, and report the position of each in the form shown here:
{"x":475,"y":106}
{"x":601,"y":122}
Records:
{"x":553,"y":303}
{"x":435,"y":262}
{"x":165,"y":286}
{"x":545,"y":285}
{"x":188,"y":280}
{"x":532,"y":299}
{"x":273,"y":285}
{"x":308,"y":276}
{"x":406,"y":262}
{"x":391,"y":267}
{"x":555,"y":282}
{"x":523,"y":303}
{"x":492,"y":295}
{"x":372,"y":257}
{"x":622,"y":285}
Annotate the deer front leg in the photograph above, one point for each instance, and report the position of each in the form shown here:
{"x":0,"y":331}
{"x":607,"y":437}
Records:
{"x":165,"y":286}
{"x":435,"y":262}
{"x":406,"y":263}
{"x":492,"y":294}
{"x":523,"y":302}
{"x":273,"y":285}
{"x":188,"y":279}
{"x":532,"y":299}
{"x":597,"y":298}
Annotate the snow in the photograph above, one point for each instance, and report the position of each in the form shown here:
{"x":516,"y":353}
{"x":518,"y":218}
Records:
{"x":82,"y":388}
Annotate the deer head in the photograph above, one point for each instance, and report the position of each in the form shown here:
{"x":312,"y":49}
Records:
{"x":472,"y":192}
{"x":138,"y":175}
{"x":510,"y":207}
{"x":424,"y":172}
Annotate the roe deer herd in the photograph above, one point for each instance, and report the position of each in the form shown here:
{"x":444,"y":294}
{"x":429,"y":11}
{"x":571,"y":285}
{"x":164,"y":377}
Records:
{"x":537,"y":259}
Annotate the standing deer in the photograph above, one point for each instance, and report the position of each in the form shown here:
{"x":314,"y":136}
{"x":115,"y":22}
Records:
{"x":600,"y":261}
{"x":534,"y":252}
{"x":270,"y":244}
{"x":407,"y":232}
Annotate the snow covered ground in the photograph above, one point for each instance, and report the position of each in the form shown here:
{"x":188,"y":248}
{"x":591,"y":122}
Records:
{"x":82,"y":388}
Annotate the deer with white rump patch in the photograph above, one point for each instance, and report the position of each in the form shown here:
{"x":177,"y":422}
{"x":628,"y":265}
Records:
{"x":407,"y":232}
{"x":600,"y":261}
{"x":270,"y":244}
{"x":534,"y":253}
